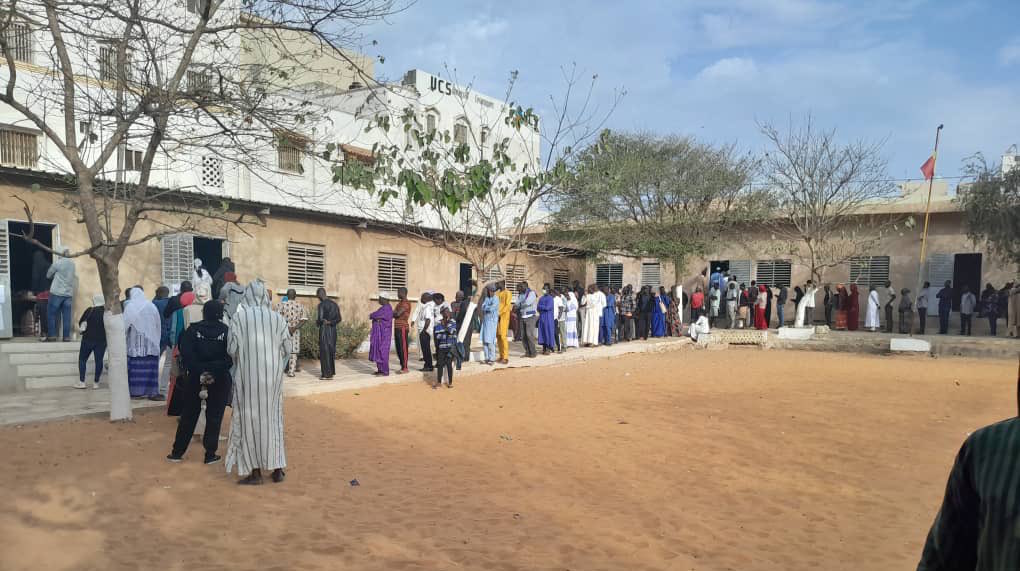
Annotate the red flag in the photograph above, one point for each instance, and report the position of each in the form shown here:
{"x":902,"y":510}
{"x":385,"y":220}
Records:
{"x":928,"y":168}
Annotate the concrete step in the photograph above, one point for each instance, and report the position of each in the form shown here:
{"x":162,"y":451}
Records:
{"x":13,"y":347}
{"x":51,"y":369}
{"x":43,"y":358}
{"x":64,"y":381}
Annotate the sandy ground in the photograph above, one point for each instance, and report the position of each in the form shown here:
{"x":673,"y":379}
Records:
{"x":741,"y":459}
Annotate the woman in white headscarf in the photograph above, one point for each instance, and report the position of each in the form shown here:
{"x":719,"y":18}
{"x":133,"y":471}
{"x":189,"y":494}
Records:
{"x":259,"y":342}
{"x":571,"y":320}
{"x":144,"y":329}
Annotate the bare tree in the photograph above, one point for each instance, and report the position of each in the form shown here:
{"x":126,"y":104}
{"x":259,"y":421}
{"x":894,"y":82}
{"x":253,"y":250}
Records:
{"x":133,"y":91}
{"x":825,"y":194}
{"x":666,"y":197}
{"x":479,"y":192}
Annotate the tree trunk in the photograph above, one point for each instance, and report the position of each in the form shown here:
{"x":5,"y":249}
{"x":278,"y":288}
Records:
{"x":116,"y":341}
{"x":678,"y":270}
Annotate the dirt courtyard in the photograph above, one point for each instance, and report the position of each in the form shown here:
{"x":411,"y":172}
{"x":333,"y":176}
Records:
{"x":739,"y":459}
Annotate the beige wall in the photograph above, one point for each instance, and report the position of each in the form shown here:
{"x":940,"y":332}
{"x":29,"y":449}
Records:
{"x":351,"y":255}
{"x":303,"y":59}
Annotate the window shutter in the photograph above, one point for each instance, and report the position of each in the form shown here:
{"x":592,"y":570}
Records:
{"x":773,"y":272}
{"x":178,"y":258}
{"x":306,"y":265}
{"x":869,"y":270}
{"x":651,"y":275}
{"x":561,"y":279}
{"x":741,"y":271}
{"x":392,"y":273}
{"x":5,"y":254}
{"x":609,"y":275}
{"x":940,"y":269}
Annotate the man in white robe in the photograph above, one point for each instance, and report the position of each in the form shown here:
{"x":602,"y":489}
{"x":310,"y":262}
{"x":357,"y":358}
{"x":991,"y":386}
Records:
{"x":871,"y":320}
{"x":260,"y":344}
{"x":595,"y":302}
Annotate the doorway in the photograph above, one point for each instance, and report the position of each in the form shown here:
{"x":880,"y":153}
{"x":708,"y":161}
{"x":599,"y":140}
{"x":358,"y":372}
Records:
{"x":966,"y":272}
{"x":466,"y":277}
{"x":22,"y":255}
{"x":210,"y":251}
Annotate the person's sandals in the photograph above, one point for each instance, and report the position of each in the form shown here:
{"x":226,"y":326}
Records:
{"x":278,"y":475}
{"x":253,"y":479}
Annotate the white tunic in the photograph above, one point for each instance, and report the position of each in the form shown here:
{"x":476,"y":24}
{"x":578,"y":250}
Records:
{"x":260,"y":344}
{"x":592,"y":318}
{"x":871,"y":320}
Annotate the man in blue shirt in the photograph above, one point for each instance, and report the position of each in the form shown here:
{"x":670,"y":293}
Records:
{"x":527,"y":310}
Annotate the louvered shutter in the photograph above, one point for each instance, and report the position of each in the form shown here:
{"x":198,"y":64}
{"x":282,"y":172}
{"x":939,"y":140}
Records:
{"x":869,"y":270}
{"x":651,"y":275}
{"x":610,"y":275}
{"x":940,"y":270}
{"x":773,"y":272}
{"x":741,"y":271}
{"x":6,"y":306}
{"x":178,"y":258}
{"x":306,"y":265}
{"x":561,"y":279}
{"x":392,"y":273}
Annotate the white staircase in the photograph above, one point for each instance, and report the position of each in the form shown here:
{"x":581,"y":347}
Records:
{"x":30,"y":365}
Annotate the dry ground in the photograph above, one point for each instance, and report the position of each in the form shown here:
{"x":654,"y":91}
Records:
{"x":741,"y":459}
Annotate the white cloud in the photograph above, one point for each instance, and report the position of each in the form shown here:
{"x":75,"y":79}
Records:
{"x":728,"y":69}
{"x":1009,"y":54}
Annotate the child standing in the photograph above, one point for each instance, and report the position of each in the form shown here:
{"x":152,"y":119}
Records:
{"x":445,"y":333}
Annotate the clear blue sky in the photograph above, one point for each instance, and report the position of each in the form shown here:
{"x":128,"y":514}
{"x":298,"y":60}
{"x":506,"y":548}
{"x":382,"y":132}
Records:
{"x":874,"y":69}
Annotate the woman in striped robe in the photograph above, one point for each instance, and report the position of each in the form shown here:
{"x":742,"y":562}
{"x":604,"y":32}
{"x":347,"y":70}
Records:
{"x":260,"y":345}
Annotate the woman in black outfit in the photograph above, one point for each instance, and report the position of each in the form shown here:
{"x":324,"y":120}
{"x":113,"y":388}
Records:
{"x":93,"y":340}
{"x":204,"y":357}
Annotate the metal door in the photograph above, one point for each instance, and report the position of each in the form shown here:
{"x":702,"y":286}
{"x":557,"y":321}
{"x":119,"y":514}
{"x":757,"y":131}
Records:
{"x":6,"y":303}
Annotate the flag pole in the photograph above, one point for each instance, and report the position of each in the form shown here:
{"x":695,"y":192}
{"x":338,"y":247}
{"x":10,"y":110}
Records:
{"x":927,"y":214}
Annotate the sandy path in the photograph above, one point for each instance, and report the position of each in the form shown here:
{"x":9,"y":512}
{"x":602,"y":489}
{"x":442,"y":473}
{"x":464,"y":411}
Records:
{"x":740,"y":459}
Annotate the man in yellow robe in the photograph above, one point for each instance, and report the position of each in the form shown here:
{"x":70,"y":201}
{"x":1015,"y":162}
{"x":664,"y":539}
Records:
{"x":505,"y":303}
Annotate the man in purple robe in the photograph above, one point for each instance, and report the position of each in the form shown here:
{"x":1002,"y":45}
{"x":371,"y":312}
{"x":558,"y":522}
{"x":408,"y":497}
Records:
{"x":547,"y":322}
{"x":382,"y":332}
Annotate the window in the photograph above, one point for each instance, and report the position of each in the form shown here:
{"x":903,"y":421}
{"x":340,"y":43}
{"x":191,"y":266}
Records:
{"x":514,"y":275}
{"x":561,"y":279}
{"x":199,"y":81}
{"x":869,"y":270}
{"x":19,"y":40}
{"x":18,"y":148}
{"x":392,"y":273}
{"x":651,"y":274}
{"x":431,"y":123}
{"x":485,"y":135}
{"x":178,"y":258}
{"x":108,"y":64}
{"x":132,"y":160}
{"x":212,"y":172}
{"x":610,"y":275}
{"x":306,"y":265}
{"x":740,"y":270}
{"x":773,"y":272}
{"x":290,"y":148}
{"x":197,"y":6}
{"x":460,"y":133}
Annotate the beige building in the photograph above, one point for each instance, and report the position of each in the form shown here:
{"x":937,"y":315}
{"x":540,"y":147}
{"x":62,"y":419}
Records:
{"x":352,"y":258}
{"x":950,"y":255}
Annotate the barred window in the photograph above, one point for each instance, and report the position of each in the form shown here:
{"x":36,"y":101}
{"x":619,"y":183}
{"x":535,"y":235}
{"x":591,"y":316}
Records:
{"x":178,"y":258}
{"x":561,"y":279}
{"x":19,"y":39}
{"x":392,"y":273}
{"x":869,"y":270}
{"x":18,"y":148}
{"x":773,"y":272}
{"x":651,"y":275}
{"x":290,"y":148}
{"x":610,"y":275}
{"x":108,"y":64}
{"x":199,"y":81}
{"x":306,"y":265}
